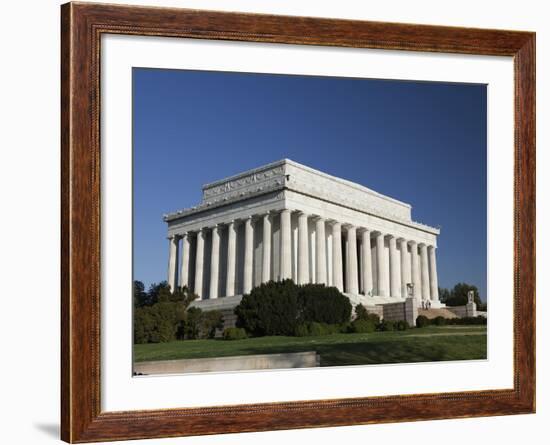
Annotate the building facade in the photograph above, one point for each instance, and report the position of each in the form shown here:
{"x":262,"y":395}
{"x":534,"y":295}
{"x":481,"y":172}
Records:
{"x":286,"y":220}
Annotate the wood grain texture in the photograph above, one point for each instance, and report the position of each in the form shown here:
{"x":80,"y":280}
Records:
{"x":81,"y":28}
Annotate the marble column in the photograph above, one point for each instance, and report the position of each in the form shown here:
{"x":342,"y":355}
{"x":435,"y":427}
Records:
{"x":320,"y":251}
{"x":381,"y":266}
{"x":337,"y":270}
{"x":266,"y":249}
{"x":231,"y":259}
{"x":173,"y":261}
{"x":248,"y":255}
{"x":405,"y":267}
{"x":199,"y":263}
{"x":424,"y":271}
{"x":434,"y":291}
{"x":214,"y":263}
{"x":353,"y":284}
{"x":395,"y":281}
{"x":184,"y":276}
{"x":303,"y":249}
{"x":286,"y":245}
{"x":416,"y":279}
{"x":367,"y":262}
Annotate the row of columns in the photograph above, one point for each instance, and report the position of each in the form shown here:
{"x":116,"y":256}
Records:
{"x":421,"y":271}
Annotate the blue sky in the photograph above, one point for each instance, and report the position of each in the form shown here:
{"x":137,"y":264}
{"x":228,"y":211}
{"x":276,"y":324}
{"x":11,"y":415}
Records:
{"x":420,"y":142}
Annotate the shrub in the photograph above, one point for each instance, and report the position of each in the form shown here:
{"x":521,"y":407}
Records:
{"x":316,"y":329}
{"x":362,"y":326}
{"x":422,"y":321}
{"x":322,"y":304}
{"x":209,"y":322}
{"x":402,"y":325}
{"x":280,"y":308}
{"x":234,"y":334}
{"x":344,"y":327}
{"x":301,"y":330}
{"x":439,"y":321}
{"x":157,"y":323}
{"x":269,"y":309}
{"x":160,"y":314}
{"x":361,"y":313}
{"x":193,"y":323}
{"x":479,"y":320}
{"x":386,"y":325}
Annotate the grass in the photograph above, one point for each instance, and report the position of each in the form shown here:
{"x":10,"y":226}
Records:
{"x":432,"y":343}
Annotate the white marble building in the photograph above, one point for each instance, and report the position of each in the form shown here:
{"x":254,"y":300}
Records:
{"x":286,"y":220}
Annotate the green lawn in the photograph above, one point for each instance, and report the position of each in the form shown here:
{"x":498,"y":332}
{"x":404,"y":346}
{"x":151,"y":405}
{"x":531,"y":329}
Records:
{"x":415,"y":345}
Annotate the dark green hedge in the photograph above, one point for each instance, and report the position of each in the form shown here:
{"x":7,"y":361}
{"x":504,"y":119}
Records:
{"x":422,"y":321}
{"x":282,"y":307}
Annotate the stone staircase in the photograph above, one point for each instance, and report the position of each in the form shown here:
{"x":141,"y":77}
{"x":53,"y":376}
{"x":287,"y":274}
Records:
{"x":433,"y":313}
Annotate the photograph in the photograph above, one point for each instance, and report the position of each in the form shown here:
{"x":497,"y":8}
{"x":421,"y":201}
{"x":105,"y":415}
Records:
{"x":297,"y":221}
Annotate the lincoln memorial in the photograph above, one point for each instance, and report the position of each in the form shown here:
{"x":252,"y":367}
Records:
{"x":286,"y":220}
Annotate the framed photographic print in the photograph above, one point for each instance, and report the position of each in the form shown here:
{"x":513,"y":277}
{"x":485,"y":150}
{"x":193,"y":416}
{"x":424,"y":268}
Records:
{"x":276,"y":222}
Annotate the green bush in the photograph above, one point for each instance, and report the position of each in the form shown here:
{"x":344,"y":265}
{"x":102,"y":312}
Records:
{"x":210,"y":321}
{"x":159,"y":314}
{"x":270,"y":309}
{"x":361,"y":313}
{"x":362,"y":326}
{"x":386,"y":325}
{"x":280,"y":308}
{"x":402,"y":325}
{"x":479,"y":320}
{"x":422,"y":321}
{"x":322,"y":304}
{"x":439,"y":321}
{"x":158,"y":323}
{"x":301,"y":330}
{"x":234,"y":334}
{"x":316,"y":329}
{"x":192,"y":327}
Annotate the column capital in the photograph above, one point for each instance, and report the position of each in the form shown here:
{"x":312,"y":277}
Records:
{"x":333,"y":222}
{"x":317,"y":218}
{"x":413,"y":242}
{"x":364,"y":230}
{"x":348,"y":226}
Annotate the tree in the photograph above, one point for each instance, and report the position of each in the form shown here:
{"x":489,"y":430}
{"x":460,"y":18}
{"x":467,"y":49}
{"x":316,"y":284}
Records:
{"x":459,"y":295}
{"x":140,"y":296}
{"x":157,"y":292}
{"x":192,"y":323}
{"x":160,"y":315}
{"x":444,"y":294}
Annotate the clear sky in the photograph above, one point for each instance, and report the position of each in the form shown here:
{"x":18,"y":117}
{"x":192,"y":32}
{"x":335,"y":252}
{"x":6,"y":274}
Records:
{"x":423,"y":143}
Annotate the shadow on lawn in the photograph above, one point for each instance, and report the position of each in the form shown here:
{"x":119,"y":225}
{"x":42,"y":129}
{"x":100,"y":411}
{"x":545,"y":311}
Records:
{"x":389,"y":351}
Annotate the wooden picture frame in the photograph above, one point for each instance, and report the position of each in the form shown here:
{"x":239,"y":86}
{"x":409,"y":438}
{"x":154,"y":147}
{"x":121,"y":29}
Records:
{"x":82,"y":26}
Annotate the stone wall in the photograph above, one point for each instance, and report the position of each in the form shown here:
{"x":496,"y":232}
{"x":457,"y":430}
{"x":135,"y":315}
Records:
{"x":406,"y":310}
{"x":468,"y":310}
